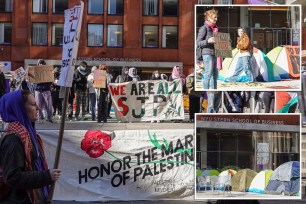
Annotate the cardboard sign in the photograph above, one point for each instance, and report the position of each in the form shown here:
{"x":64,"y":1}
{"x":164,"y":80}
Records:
{"x":99,"y":79}
{"x":40,"y":74}
{"x":223,"y":46}
{"x":19,"y":74}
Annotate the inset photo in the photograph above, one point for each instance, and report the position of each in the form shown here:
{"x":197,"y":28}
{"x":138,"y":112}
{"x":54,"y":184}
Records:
{"x":255,"y":156}
{"x":248,"y":47}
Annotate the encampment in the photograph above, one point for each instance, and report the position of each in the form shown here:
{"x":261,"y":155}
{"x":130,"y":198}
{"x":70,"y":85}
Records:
{"x":285,"y":179}
{"x":260,"y":182}
{"x":241,"y":181}
{"x":285,"y":102}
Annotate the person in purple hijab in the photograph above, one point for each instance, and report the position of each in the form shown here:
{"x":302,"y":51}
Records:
{"x":22,"y":159}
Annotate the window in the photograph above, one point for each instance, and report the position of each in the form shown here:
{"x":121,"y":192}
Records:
{"x":6,"y":6}
{"x":115,"y":7}
{"x":5,"y":33}
{"x":170,"y":37}
{"x":170,"y":7}
{"x":59,"y":6}
{"x":40,"y":34}
{"x":57,"y":34}
{"x":150,"y":7}
{"x":95,"y":6}
{"x":114,"y":35}
{"x":95,"y":35}
{"x":40,"y":6}
{"x":150,"y":36}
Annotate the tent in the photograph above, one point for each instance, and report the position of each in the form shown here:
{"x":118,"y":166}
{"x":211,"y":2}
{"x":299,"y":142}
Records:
{"x":241,"y":181}
{"x":262,"y":67}
{"x":225,"y":176}
{"x":285,"y":179}
{"x":286,"y":61}
{"x":260,"y":182}
{"x":210,"y":172}
{"x":285,"y":102}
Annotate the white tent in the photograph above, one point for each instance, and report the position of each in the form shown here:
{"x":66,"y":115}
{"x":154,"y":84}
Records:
{"x":260,"y":182}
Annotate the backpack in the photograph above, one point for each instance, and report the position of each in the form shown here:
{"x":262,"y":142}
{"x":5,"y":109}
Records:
{"x":4,"y":189}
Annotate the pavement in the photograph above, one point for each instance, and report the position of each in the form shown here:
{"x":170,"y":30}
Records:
{"x":288,"y":85}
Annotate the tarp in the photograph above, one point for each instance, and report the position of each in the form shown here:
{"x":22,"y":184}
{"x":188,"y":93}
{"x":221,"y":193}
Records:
{"x":285,"y":179}
{"x":241,"y":181}
{"x":285,"y":100}
{"x":128,"y":165}
{"x":286,"y":61}
{"x":260,"y":182}
{"x":262,"y":67}
{"x":148,"y":100}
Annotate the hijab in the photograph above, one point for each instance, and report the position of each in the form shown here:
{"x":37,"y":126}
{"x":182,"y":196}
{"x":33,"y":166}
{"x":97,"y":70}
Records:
{"x":133,"y":74}
{"x":177,"y":75}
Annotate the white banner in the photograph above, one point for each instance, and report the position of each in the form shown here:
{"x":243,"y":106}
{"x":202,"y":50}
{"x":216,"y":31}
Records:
{"x":123,"y":165}
{"x":72,"y":30}
{"x":147,"y":100}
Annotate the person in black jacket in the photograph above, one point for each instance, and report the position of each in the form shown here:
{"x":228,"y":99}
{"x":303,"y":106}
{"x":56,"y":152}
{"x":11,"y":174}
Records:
{"x":2,"y":84}
{"x":103,"y":98}
{"x":22,"y":158}
{"x":80,"y":79}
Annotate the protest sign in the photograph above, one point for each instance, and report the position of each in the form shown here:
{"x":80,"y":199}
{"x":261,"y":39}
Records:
{"x":40,"y":74}
{"x":148,"y":100}
{"x":124,"y":164}
{"x":71,"y":37}
{"x":19,"y":74}
{"x":222,"y":44}
{"x":99,"y":79}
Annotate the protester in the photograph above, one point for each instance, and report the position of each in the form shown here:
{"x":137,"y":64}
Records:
{"x":234,"y":104}
{"x":80,"y":79}
{"x":205,"y":41}
{"x":55,"y":89}
{"x":22,"y":157}
{"x":194,"y":97}
{"x":92,"y":93}
{"x":13,"y":84}
{"x":269,"y":101}
{"x":124,"y":76}
{"x":109,"y":79}
{"x":2,"y":83}
{"x":164,"y":76}
{"x":43,"y":97}
{"x":102,"y":101}
{"x":244,"y":57}
{"x":156,"y":75}
{"x":214,"y":99}
{"x":133,"y":75}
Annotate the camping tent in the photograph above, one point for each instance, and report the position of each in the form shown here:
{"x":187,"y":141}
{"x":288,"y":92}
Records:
{"x":285,"y":179}
{"x":210,"y":172}
{"x":225,"y":176}
{"x":286,"y":61}
{"x":241,"y":181}
{"x":260,"y":181}
{"x":260,"y":63}
{"x":285,"y":102}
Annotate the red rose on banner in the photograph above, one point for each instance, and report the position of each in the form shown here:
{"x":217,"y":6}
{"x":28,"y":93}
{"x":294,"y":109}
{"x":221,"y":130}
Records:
{"x":95,"y":143}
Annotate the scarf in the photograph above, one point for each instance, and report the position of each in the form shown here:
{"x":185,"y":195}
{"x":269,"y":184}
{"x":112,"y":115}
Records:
{"x":12,"y":110}
{"x":177,"y":75}
{"x":133,"y":74}
{"x":214,"y":28}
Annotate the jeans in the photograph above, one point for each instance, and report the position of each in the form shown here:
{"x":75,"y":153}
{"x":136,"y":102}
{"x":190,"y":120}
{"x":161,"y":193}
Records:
{"x":44,"y":99}
{"x":93,"y":99}
{"x":214,"y":99}
{"x":210,"y":72}
{"x":243,"y":64}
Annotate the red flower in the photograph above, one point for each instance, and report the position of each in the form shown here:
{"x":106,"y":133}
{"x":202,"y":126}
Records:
{"x":95,"y":143}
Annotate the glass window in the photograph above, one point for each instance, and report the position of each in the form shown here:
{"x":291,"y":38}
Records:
{"x":150,"y":36}
{"x":150,"y":7}
{"x":170,"y":37}
{"x":114,"y":35}
{"x":40,"y":6}
{"x":212,"y":141}
{"x":228,"y":141}
{"x":40,"y":34}
{"x":95,"y":35}
{"x":115,"y":7}
{"x":6,"y":6}
{"x":95,"y":6}
{"x":57,"y":34}
{"x":5,"y":33}
{"x":59,"y":6}
{"x":170,"y":7}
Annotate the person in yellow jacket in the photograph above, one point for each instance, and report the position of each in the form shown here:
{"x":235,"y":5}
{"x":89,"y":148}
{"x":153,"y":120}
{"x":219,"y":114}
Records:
{"x":244,"y":57}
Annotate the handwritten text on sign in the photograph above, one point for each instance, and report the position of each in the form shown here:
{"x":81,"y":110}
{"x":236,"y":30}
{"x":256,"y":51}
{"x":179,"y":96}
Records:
{"x":222,"y":45}
{"x":99,"y":79}
{"x":40,"y":74}
{"x":148,"y":100}
{"x":72,"y":28}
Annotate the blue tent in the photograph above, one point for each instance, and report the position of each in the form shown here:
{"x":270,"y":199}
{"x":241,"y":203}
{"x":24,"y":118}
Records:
{"x":285,"y":179}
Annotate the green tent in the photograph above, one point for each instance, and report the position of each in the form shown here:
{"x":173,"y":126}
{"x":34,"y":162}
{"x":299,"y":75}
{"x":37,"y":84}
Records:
{"x":241,"y":181}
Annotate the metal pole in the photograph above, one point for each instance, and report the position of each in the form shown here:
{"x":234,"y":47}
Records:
{"x":59,"y":141}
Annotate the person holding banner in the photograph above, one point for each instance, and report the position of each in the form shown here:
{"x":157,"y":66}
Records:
{"x":133,"y":74}
{"x":205,"y":41}
{"x":177,"y":74}
{"x":124,"y":76}
{"x":43,"y":97}
{"x":22,"y":157}
{"x":102,"y":99}
{"x":244,"y":57}
{"x":156,"y":75}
